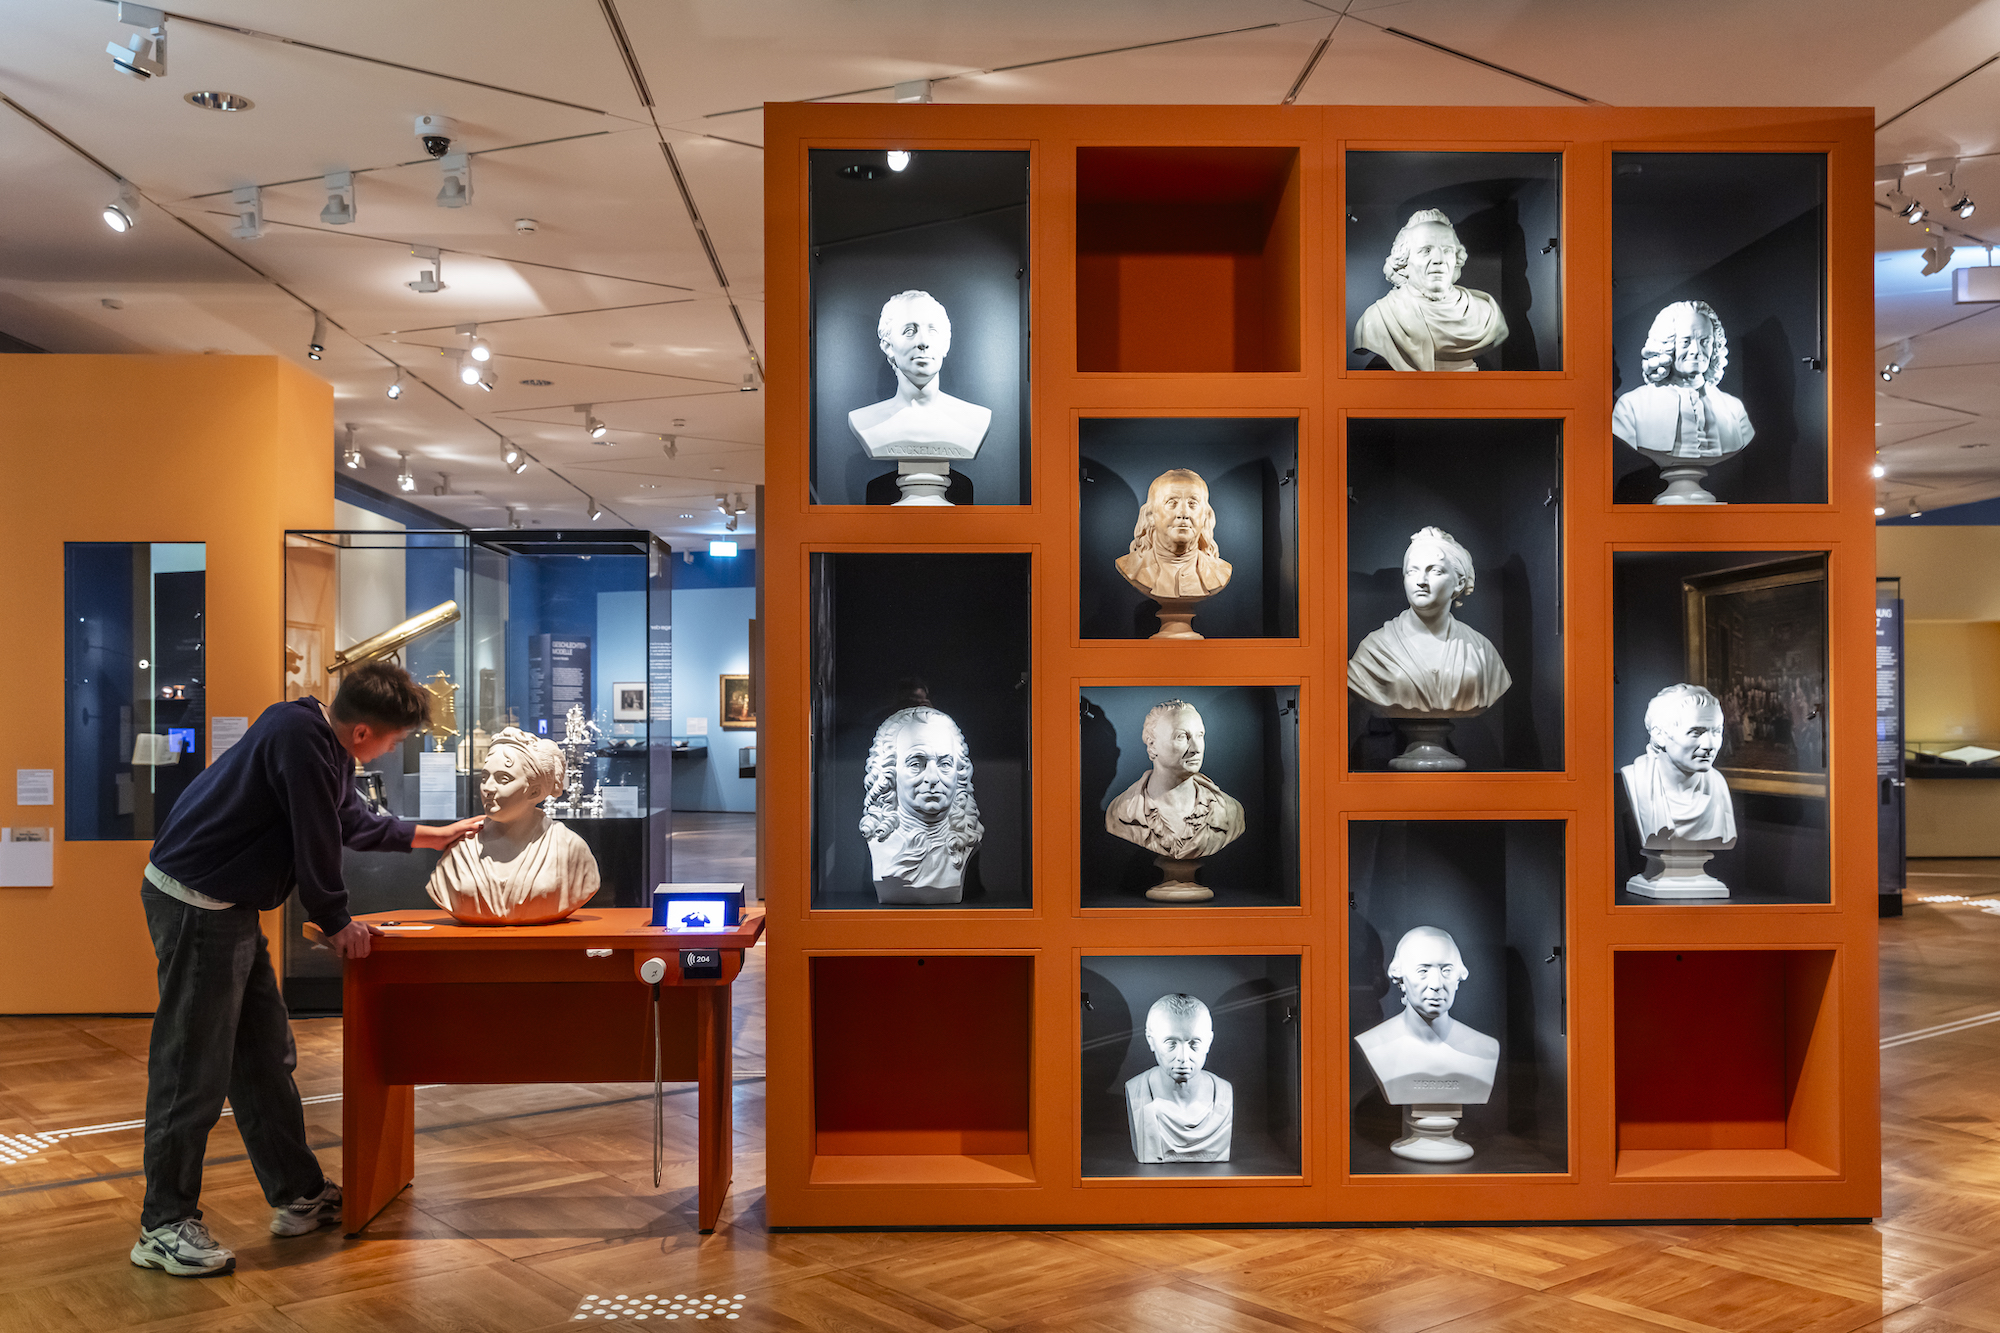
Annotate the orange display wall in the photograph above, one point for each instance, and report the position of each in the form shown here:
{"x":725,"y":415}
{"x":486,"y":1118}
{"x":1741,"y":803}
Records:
{"x":961,"y":1063}
{"x":229,"y":451}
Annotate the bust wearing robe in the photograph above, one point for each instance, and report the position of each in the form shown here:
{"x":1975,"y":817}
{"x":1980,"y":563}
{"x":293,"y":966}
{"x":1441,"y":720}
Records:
{"x":1424,"y":662}
{"x":1423,"y":1055}
{"x":1427,"y":321}
{"x":1677,"y":797}
{"x":1174,"y":556}
{"x":522,"y":868}
{"x":1173,"y":810}
{"x":1679,"y":413}
{"x":918,"y":813}
{"x":1177,"y":1110}
{"x":921,"y":420}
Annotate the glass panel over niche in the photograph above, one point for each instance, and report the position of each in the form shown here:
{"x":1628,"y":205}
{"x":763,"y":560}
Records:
{"x":1190,"y":795}
{"x":1454,"y":261}
{"x":1190,"y":1065}
{"x":136,"y":723}
{"x":920,"y":699}
{"x":1227,"y":568}
{"x":1720,"y":727}
{"x":919,"y":276}
{"x":1718,"y":327}
{"x":1456,"y":997}
{"x":1454,"y":595}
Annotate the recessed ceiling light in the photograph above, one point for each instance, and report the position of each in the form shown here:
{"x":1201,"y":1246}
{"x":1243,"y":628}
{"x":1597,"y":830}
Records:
{"x":215,"y":101}
{"x":687,"y":515}
{"x":538,"y":384}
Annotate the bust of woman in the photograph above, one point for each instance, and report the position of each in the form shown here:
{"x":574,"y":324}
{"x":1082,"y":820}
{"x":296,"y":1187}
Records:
{"x":1425,"y":662}
{"x":522,"y":868}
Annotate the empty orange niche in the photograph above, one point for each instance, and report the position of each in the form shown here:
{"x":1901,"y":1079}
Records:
{"x":920,"y":1057}
{"x":1187,"y":259}
{"x":1725,"y":1063}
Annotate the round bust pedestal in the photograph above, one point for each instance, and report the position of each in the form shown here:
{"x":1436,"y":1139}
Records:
{"x":1424,"y":746}
{"x":923,"y":481}
{"x":1175,"y":614}
{"x":1683,"y":477}
{"x":1177,"y":882}
{"x":1430,"y":1134}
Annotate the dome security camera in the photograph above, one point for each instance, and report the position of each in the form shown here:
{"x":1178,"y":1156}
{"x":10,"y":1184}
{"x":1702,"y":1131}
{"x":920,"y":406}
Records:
{"x":435,"y":132}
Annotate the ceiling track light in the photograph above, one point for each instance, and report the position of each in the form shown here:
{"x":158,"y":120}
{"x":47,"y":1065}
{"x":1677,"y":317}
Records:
{"x":248,"y":201}
{"x":592,"y":427}
{"x":513,"y":518}
{"x":395,"y":389}
{"x":406,"y":480}
{"x":749,"y":384}
{"x":596,"y":510}
{"x":339,"y":210}
{"x":480,"y":349}
{"x":898,"y":159}
{"x":316,"y":349}
{"x":1878,"y":471}
{"x":512,"y":457}
{"x":350,"y":453}
{"x":670,"y":445}
{"x":122,"y":213}
{"x":144,"y":54}
{"x":432,"y":278}
{"x":1937,"y":256}
{"x":1963,"y":206}
{"x":444,"y":484}
{"x":456,"y":191}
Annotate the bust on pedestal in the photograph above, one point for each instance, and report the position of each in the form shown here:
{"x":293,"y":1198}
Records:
{"x":918,"y":813}
{"x":1678,"y":418}
{"x":1178,"y":1111}
{"x":1174,"y":559}
{"x":1425,"y":1061}
{"x":522,"y":868}
{"x":923,"y":428}
{"x":1680,"y":802}
{"x":1172,"y":810}
{"x":1424,"y":668}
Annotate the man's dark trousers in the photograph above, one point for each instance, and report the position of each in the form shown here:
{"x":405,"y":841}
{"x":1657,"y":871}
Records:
{"x":221,"y":1030}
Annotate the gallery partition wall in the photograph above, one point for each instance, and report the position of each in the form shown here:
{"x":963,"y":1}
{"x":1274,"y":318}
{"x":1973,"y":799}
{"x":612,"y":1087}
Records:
{"x":1319,"y":665}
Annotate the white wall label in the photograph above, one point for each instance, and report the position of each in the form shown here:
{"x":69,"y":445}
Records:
{"x":34,"y":786}
{"x":224,"y":732}
{"x":437,"y":790}
{"x":697,"y":726}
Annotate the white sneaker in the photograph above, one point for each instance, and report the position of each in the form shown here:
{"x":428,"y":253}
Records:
{"x":303,"y":1216}
{"x":184,"y":1249}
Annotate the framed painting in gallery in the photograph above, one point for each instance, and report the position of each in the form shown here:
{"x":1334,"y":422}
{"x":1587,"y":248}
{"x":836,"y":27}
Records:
{"x":738,"y":712}
{"x":1454,"y":261}
{"x":628,"y":701}
{"x":1190,"y":1066}
{"x":1756,"y":639}
{"x":919,"y":282}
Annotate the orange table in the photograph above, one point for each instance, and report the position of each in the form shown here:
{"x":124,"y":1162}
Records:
{"x":525,"y":1004}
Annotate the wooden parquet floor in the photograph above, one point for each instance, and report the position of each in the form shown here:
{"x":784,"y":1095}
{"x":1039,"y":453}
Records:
{"x":530,"y":1199}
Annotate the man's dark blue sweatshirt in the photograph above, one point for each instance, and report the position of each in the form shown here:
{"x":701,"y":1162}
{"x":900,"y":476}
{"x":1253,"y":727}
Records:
{"x":273,"y":812}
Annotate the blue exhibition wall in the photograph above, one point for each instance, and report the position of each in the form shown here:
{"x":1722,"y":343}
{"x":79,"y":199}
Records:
{"x":711,"y":639}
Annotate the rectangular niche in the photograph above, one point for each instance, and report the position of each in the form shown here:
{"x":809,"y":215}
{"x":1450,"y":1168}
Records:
{"x":921,"y":1069}
{"x":950,"y":223}
{"x":949,"y":632}
{"x":1726,"y":1064}
{"x":1495,"y":887}
{"x":1750,"y":626}
{"x":1494,"y":486}
{"x":1506,"y":211}
{"x":1252,"y":1006}
{"x":1250,"y":467}
{"x":1187,"y":259}
{"x":1745,"y":235}
{"x":1249,"y":750}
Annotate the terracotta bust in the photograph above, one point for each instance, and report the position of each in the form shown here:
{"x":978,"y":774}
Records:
{"x":1174,"y":558}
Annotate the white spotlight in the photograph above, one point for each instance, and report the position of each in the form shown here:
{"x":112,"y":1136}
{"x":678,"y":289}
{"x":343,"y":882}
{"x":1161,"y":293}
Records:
{"x":144,"y":54}
{"x":749,"y":384}
{"x":316,"y":349}
{"x":512,"y":458}
{"x":914,"y":90}
{"x":898,"y":159}
{"x":248,"y":202}
{"x":1878,"y":471}
{"x":339,"y":210}
{"x":592,"y":427}
{"x":1936,"y":256}
{"x":350,"y":454}
{"x":444,"y":484}
{"x":395,"y":389}
{"x":406,"y":480}
{"x":513,"y":518}
{"x":430,"y":279}
{"x":596,"y":510}
{"x":122,"y":213}
{"x":670,"y":446}
{"x":468,"y":370}
{"x":1879,"y":511}
{"x":456,"y":192}
{"x":1964,"y":206}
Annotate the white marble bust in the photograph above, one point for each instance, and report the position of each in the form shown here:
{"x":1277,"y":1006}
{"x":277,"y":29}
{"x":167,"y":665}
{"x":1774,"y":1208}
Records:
{"x":1680,"y":803}
{"x":1174,"y":558}
{"x":1425,"y":1060}
{"x":522,"y":868}
{"x":1173,"y":810}
{"x":1679,"y":413}
{"x":1424,"y":662}
{"x":1177,"y":1110}
{"x":922,"y":421}
{"x":918,"y":813}
{"x":1427,"y":321}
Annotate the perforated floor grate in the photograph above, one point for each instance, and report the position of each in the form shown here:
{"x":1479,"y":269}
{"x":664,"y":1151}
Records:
{"x":648,"y":1308}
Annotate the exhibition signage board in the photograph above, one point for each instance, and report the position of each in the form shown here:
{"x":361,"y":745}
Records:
{"x":1326,"y":669}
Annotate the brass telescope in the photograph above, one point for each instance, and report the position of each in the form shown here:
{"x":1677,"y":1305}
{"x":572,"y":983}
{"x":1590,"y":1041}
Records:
{"x":395,"y":637}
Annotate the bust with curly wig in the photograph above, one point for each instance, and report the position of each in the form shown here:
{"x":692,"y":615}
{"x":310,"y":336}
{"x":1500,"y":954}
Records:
{"x":523,"y":868}
{"x":1174,"y":558}
{"x":918,"y":813}
{"x":1427,"y":321}
{"x":1681,"y":413}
